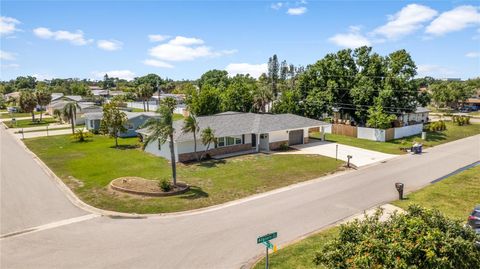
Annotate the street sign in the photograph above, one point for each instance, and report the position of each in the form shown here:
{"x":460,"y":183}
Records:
{"x":266,"y":237}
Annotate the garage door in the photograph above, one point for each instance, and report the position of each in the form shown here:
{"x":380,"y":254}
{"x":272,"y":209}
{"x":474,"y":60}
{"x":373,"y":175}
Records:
{"x":295,"y":137}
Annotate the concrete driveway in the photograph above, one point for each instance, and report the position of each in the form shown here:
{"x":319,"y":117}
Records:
{"x":360,"y":157}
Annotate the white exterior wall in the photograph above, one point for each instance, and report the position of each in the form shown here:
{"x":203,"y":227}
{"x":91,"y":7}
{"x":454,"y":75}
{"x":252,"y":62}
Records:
{"x":277,"y":136}
{"x":327,"y":129}
{"x":371,"y":134}
{"x":189,"y":146}
{"x":164,"y":151}
{"x":408,"y":130}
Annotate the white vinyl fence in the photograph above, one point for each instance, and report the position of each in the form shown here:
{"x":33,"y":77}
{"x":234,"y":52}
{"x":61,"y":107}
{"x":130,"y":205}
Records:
{"x":408,"y":130}
{"x":371,"y":134}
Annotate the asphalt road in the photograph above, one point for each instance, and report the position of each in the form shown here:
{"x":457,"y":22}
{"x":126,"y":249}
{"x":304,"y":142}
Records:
{"x":224,"y":237}
{"x":29,"y":197}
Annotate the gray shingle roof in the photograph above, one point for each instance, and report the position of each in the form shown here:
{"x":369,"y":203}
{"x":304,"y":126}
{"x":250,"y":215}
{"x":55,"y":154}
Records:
{"x":237,"y":123}
{"x":130,"y":115}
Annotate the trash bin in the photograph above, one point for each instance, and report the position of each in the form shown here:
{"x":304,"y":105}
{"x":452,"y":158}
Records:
{"x":420,"y":149}
{"x":399,"y":187}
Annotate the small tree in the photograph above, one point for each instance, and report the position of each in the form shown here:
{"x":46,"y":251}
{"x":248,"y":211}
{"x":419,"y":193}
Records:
{"x":28,"y":102}
{"x":208,"y":138}
{"x":43,"y":99}
{"x":70,"y":113}
{"x":378,"y":119}
{"x":161,"y":129}
{"x":190,"y":125}
{"x":420,"y":238}
{"x":113,"y":121}
{"x":81,"y":136}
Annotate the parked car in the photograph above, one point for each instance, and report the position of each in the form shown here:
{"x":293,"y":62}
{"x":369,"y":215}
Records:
{"x":474,"y":219}
{"x":12,"y":109}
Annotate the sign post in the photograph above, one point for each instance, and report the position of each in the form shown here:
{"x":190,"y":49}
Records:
{"x":265,"y":239}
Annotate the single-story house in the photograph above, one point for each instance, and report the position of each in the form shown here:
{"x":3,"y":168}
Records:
{"x":237,"y":132}
{"x":135,"y":121}
{"x":420,"y":115}
{"x":85,"y":108}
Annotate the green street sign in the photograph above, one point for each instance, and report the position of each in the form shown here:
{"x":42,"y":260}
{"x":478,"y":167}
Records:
{"x":268,"y":244}
{"x":266,"y":237}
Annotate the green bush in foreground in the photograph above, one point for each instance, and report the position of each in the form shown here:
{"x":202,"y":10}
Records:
{"x":420,"y":238}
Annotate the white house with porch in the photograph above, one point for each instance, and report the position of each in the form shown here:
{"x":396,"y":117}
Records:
{"x":238,"y":132}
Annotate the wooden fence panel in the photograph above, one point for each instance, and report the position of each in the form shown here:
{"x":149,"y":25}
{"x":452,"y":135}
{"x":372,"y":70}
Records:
{"x":342,"y":129}
{"x":389,"y":134}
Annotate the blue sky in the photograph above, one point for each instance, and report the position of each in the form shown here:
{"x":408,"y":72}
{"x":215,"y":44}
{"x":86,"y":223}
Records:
{"x":183,"y":39}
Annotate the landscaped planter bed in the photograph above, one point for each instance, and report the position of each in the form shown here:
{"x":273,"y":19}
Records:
{"x":141,"y":186}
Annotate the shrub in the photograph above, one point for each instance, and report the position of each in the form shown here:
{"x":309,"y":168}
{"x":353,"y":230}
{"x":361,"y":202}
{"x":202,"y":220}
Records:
{"x":81,"y":136}
{"x":461,"y":120}
{"x":165,"y":185}
{"x":283,"y":147}
{"x":420,"y":238}
{"x":437,"y":126}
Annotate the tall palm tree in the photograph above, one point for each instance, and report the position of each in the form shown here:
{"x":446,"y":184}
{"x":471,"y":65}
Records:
{"x":161,"y":129}
{"x":190,"y":125}
{"x":70,"y":112}
{"x":261,"y":97}
{"x":44,"y":98}
{"x":208,"y":137}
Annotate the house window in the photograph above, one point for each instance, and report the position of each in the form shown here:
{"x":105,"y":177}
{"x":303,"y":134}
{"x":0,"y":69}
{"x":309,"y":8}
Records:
{"x":229,"y":141}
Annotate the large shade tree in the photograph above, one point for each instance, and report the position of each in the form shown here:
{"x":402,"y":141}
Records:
{"x":28,"y":102}
{"x":161,"y":129}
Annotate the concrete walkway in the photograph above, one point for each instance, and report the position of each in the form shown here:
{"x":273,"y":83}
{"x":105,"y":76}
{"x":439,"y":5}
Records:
{"x":360,"y":157}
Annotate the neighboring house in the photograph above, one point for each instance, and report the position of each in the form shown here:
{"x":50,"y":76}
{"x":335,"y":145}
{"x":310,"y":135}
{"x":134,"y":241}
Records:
{"x":85,"y":108}
{"x":159,"y":95}
{"x":135,"y":121}
{"x":237,"y":132}
{"x":419,"y":116}
{"x":60,"y":101}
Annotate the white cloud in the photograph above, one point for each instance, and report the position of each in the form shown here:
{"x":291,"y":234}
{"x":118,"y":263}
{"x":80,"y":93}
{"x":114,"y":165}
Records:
{"x":406,"y":21}
{"x":122,"y":74}
{"x":75,"y":38}
{"x":353,"y":39}
{"x":454,"y":20}
{"x":277,"y":5}
{"x":42,"y":76}
{"x":109,"y":45}
{"x":10,"y":66}
{"x":158,"y":38}
{"x":473,"y":54}
{"x":157,"y":63}
{"x":296,"y":11}
{"x":185,"y":49}
{"x":186,"y":41}
{"x":434,"y":71}
{"x":8,"y":25}
{"x":7,"y":56}
{"x":255,"y":70}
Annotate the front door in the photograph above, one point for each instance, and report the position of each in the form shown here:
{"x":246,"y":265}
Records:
{"x":254,"y":140}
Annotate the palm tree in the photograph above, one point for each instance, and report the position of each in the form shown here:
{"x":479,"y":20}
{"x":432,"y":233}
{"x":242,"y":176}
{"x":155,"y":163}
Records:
{"x":190,"y":125}
{"x":208,"y":137}
{"x":161,"y":129}
{"x":57,"y":114}
{"x":43,"y":99}
{"x":70,"y":112}
{"x":261,"y":97}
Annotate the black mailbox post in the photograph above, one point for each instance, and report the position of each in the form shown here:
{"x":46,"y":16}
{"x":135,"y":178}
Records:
{"x":399,"y":187}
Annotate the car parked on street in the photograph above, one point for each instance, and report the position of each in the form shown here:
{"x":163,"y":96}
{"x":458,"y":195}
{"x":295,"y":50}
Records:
{"x":474,"y":219}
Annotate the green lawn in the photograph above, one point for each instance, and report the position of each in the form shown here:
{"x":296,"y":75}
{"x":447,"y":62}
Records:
{"x":452,"y":133}
{"x":89,"y":167}
{"x":455,"y":196}
{"x":17,"y":115}
{"x":299,"y":255}
{"x":29,"y":123}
